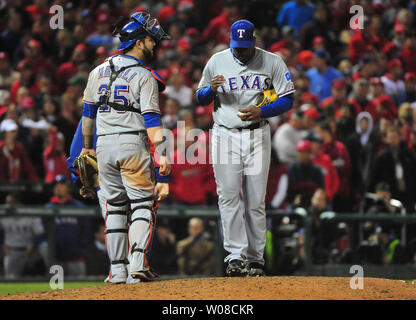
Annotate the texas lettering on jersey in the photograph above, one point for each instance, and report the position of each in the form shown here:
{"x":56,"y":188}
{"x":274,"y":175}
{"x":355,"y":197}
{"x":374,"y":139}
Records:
{"x":246,"y":82}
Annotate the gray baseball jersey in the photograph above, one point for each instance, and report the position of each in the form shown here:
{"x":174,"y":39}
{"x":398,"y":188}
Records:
{"x":21,"y":232}
{"x":125,"y":165}
{"x":236,"y":153}
{"x":135,"y":85}
{"x":244,"y":83}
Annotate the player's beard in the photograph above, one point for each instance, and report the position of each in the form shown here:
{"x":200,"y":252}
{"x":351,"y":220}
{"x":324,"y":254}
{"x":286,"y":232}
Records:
{"x":147,"y":54}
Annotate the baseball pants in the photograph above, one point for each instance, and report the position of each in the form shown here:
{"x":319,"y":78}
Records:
{"x":127,"y":181}
{"x":241,"y":161}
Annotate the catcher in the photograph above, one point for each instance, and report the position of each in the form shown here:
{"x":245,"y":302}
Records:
{"x":121,"y":102}
{"x":90,"y":189}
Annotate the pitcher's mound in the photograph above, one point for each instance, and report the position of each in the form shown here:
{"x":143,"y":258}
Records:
{"x":267,"y":288}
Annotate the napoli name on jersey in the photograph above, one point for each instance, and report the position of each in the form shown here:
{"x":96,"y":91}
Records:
{"x":135,"y":86}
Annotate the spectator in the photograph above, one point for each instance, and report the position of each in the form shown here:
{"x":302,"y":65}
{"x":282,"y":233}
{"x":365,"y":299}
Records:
{"x":34,"y":56}
{"x":102,"y":36}
{"x":163,"y":254}
{"x":340,"y":158}
{"x":410,"y":84}
{"x":287,"y":42}
{"x":218,"y":28}
{"x":168,"y":11}
{"x":362,"y":147}
{"x":368,"y":68}
{"x":322,"y":75}
{"x":361,"y":42}
{"x":409,"y":51}
{"x":324,"y":162}
{"x":323,"y":232}
{"x":96,"y":256}
{"x":7,"y":75}
{"x":286,"y":137}
{"x":345,"y":122}
{"x":54,"y":156}
{"x":27,"y":79}
{"x":189,"y":172}
{"x":360,"y":96}
{"x":296,"y":13}
{"x":310,"y":118}
{"x":101,"y":55}
{"x":177,"y":88}
{"x":47,"y":90}
{"x":15,"y":164}
{"x":71,"y":233}
{"x":385,"y":234}
{"x":64,"y":45}
{"x":332,"y":105}
{"x":393,"y":83}
{"x":50,"y":113}
{"x":277,"y":184}
{"x":384,"y":105}
{"x":396,"y":165}
{"x":304,"y":177}
{"x":382,"y":200}
{"x":196,"y":252}
{"x":170,"y":114}
{"x":77,"y":85}
{"x":10,"y":37}
{"x":24,"y":242}
{"x":392,"y":48}
{"x":203,"y":117}
{"x":320,"y":26}
{"x":69,"y":69}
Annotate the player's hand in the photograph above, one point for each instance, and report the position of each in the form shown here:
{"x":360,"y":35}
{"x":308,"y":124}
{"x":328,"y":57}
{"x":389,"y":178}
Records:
{"x":88,"y":151}
{"x":161,"y":190}
{"x":251,"y":113}
{"x":164,"y":167}
{"x":217,"y":81}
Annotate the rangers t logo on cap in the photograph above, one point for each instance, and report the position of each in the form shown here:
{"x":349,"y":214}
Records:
{"x":242,"y":34}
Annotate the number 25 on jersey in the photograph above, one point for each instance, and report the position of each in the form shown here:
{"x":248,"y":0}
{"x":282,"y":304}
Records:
{"x":120,"y":96}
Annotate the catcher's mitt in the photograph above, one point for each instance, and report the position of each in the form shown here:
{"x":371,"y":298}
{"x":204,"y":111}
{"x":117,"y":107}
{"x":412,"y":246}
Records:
{"x":266,"y":97}
{"x":87,"y":167}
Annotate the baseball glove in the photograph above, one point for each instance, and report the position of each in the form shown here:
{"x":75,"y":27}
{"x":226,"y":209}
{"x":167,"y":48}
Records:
{"x":87,"y":167}
{"x":266,"y":97}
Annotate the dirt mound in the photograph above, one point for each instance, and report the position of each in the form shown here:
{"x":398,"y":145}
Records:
{"x":267,"y":288}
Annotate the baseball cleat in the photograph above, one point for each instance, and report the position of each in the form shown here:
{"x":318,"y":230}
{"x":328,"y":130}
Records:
{"x":130,"y":280}
{"x":114,"y":279}
{"x":236,"y":268}
{"x":153,"y":273}
{"x":256,"y":270}
{"x":144,"y":275}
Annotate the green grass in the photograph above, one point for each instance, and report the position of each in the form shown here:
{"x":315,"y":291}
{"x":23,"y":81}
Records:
{"x":6,"y":288}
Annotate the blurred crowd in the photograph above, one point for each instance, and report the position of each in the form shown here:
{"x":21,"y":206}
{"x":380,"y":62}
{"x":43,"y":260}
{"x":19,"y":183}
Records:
{"x":351,"y":132}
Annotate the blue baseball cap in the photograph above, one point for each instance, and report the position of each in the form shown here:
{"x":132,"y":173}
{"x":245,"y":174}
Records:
{"x":242,"y":34}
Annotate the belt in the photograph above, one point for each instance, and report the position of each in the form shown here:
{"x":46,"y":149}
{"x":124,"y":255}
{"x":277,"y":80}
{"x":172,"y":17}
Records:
{"x":250,"y":127}
{"x":129,"y":132}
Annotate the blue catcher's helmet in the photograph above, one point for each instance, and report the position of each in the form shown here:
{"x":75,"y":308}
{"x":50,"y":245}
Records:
{"x":141,"y":24}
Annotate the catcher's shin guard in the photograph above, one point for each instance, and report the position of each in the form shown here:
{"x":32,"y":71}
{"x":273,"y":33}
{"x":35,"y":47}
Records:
{"x":141,"y":230}
{"x":117,"y":239}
